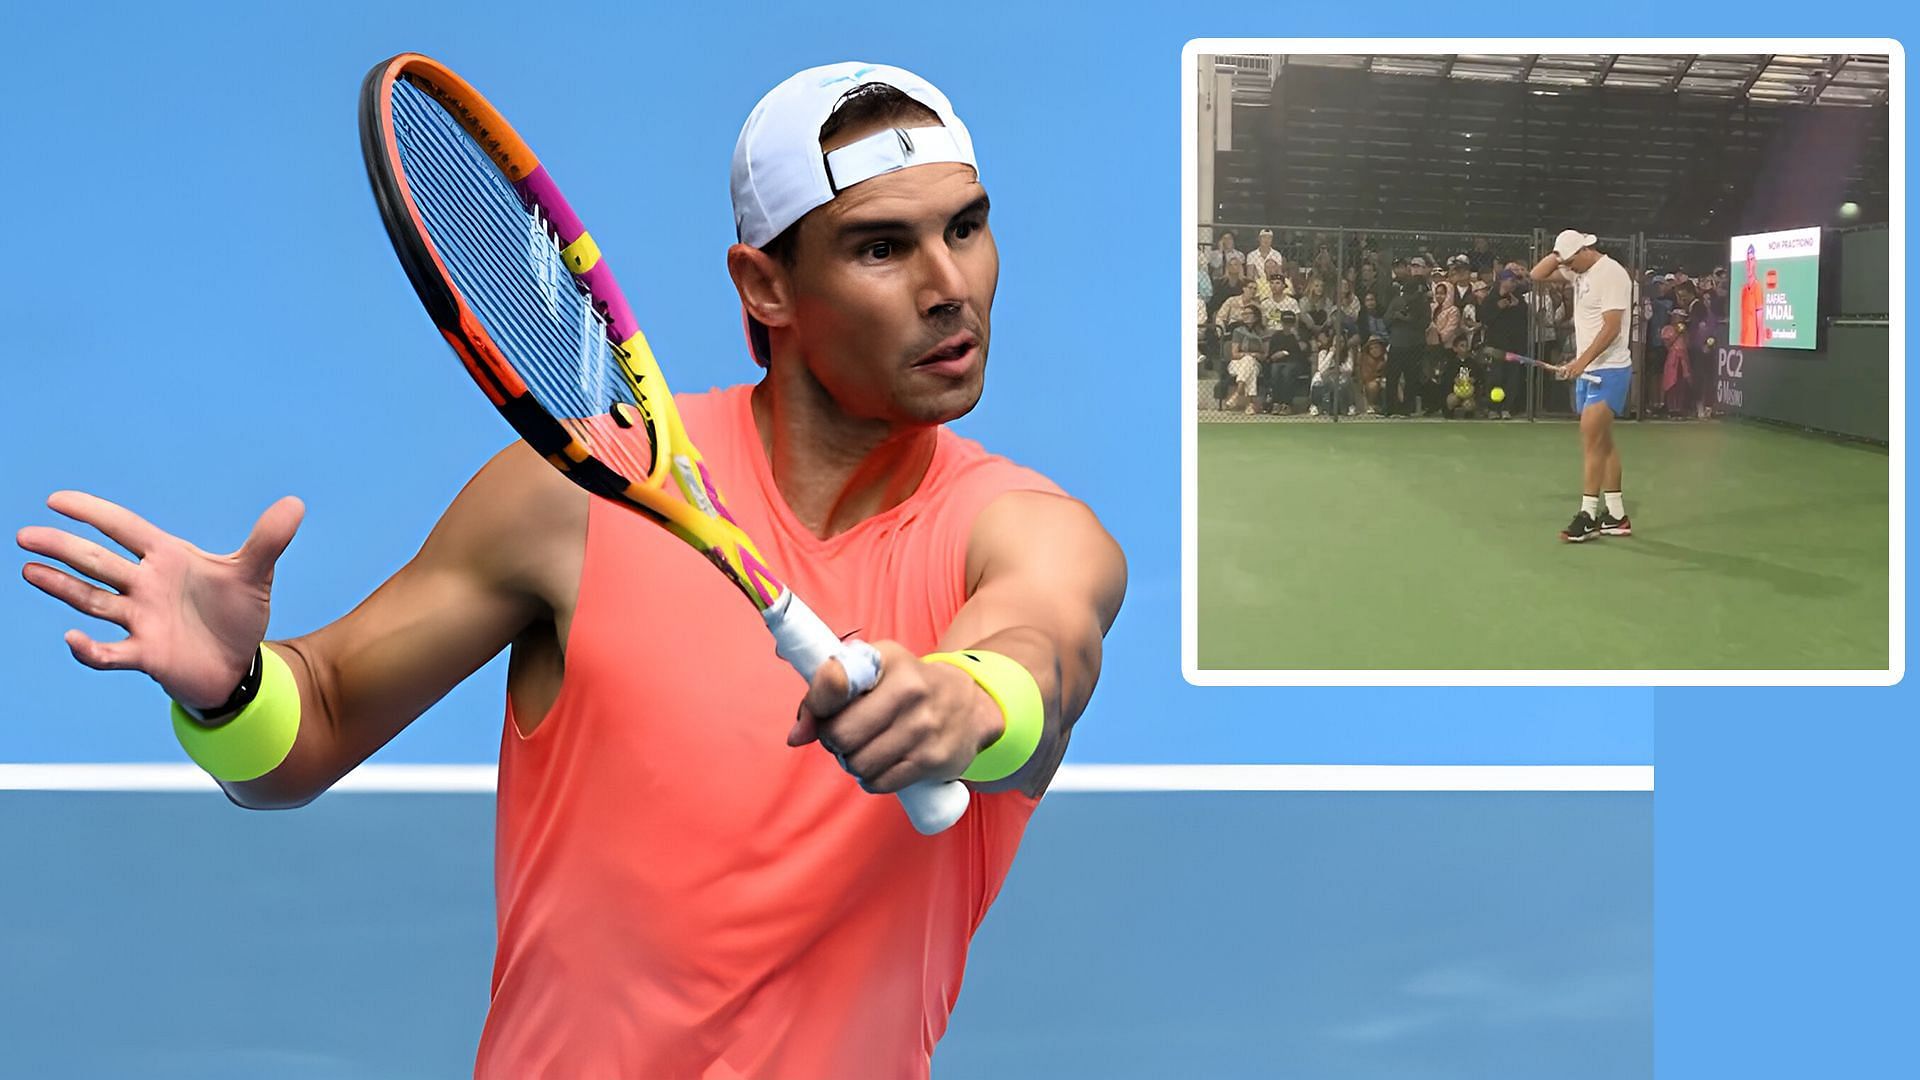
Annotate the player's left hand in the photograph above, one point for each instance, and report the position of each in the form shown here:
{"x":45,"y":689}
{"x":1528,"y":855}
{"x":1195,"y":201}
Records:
{"x":921,"y":721}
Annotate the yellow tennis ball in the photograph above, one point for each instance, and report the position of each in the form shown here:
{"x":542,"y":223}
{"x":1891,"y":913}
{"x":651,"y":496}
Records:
{"x":1498,"y":395}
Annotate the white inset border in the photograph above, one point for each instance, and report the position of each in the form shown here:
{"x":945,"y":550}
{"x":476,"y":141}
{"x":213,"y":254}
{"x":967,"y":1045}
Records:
{"x":1896,"y":377}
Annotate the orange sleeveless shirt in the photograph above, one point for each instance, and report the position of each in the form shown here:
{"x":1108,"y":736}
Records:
{"x":681,"y":894}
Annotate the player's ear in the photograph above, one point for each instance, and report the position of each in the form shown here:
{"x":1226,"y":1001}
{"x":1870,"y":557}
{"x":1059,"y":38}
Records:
{"x":764,"y":285}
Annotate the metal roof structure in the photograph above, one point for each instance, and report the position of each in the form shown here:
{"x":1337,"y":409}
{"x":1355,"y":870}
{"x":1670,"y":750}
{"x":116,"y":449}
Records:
{"x":1683,"y":146}
{"x":1835,"y":79}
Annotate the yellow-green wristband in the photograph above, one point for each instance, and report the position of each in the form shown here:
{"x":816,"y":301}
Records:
{"x":1011,"y":687}
{"x":258,"y":738}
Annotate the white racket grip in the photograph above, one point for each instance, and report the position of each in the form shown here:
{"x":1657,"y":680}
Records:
{"x":801,"y":639}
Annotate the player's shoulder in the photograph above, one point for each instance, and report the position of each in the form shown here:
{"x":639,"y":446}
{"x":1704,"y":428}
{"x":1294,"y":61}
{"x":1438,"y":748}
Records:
{"x":517,"y":484}
{"x":514,"y":520}
{"x":713,"y":406}
{"x":1001,"y":501}
{"x":962,"y":463}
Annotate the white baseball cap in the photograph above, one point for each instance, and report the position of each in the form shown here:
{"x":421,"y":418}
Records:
{"x":779,"y":173}
{"x":1570,"y":241}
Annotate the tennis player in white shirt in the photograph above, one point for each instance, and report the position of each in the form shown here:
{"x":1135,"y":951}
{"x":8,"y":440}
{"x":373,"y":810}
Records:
{"x":1602,"y":292}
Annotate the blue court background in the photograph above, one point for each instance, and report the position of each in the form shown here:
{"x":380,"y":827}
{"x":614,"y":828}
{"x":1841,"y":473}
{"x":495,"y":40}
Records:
{"x":198,"y":302}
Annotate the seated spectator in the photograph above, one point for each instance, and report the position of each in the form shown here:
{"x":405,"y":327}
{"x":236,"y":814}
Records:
{"x":1231,"y":285}
{"x":1288,"y":364}
{"x":1272,"y":289}
{"x":1264,"y":260}
{"x":1367,"y":283}
{"x":1226,"y":255}
{"x":1323,"y":264}
{"x":1332,"y":388}
{"x":1347,"y":305}
{"x":1372,"y":320}
{"x":1236,"y":309}
{"x":1248,"y":347}
{"x":1370,"y":373}
{"x":1281,"y":305}
{"x":1314,"y":307}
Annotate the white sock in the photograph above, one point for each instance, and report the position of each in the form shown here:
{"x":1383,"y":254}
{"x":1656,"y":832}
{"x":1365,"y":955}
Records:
{"x":1616,"y":504}
{"x":1590,"y":505}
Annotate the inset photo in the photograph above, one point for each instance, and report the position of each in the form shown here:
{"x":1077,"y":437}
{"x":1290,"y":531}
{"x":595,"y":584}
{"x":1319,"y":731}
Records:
{"x":1530,"y":367}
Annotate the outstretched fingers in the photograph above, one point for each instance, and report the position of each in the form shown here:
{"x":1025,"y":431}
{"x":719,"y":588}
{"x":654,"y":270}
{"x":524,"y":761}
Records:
{"x":103,"y":655}
{"x":128,"y":529}
{"x":79,"y":595}
{"x":83,"y":555}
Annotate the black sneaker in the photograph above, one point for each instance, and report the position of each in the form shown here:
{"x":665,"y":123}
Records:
{"x":1615,"y":526}
{"x":1583,"y":528}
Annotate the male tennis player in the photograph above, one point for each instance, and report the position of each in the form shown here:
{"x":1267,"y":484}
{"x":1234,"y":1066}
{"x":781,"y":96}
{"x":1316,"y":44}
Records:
{"x":1601,"y":293}
{"x":681,"y":891}
{"x":1753,"y":305}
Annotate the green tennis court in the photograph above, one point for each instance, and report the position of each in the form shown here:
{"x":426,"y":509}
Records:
{"x":1436,"y":545}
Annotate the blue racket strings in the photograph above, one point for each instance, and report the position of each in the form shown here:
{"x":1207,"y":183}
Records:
{"x":505,"y":262}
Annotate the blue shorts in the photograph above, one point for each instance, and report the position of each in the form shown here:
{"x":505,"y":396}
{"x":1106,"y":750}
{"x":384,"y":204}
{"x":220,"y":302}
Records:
{"x":1610,"y":390}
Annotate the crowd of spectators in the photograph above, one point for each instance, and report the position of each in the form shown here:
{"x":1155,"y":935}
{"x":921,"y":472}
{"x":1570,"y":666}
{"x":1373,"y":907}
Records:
{"x":1685,"y":319}
{"x":1365,"y":332}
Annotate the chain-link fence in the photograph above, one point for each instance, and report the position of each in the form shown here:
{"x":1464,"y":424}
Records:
{"x":1685,"y":298}
{"x":1335,"y":324}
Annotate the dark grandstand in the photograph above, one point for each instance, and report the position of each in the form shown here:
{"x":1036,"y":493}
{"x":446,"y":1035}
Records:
{"x":1670,"y":146}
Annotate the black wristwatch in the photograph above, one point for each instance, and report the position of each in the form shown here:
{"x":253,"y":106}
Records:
{"x":241,"y":697}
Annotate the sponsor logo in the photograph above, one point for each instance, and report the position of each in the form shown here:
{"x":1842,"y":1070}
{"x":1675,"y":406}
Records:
{"x":1731,"y":364}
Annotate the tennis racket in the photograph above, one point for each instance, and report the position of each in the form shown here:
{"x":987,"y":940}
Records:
{"x":518,"y":288}
{"x":1492,"y":353}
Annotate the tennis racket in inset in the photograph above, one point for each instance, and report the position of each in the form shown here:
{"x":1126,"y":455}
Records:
{"x":1501,"y":355}
{"x":519,"y":289}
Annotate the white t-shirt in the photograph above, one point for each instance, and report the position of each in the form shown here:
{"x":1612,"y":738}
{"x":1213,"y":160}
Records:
{"x":1266,"y":261}
{"x":1604,"y":287}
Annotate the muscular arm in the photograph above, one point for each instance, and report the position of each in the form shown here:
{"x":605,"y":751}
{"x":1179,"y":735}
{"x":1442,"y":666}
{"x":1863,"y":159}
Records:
{"x":491,"y":567}
{"x":1046,"y":584}
{"x":1610,"y":322}
{"x":1548,"y":266}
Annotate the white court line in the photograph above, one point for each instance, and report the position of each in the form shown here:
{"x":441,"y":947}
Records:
{"x":440,"y":779}
{"x":1354,"y":778}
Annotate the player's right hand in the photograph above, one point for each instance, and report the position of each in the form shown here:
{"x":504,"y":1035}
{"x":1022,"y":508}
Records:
{"x":193,"y":619}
